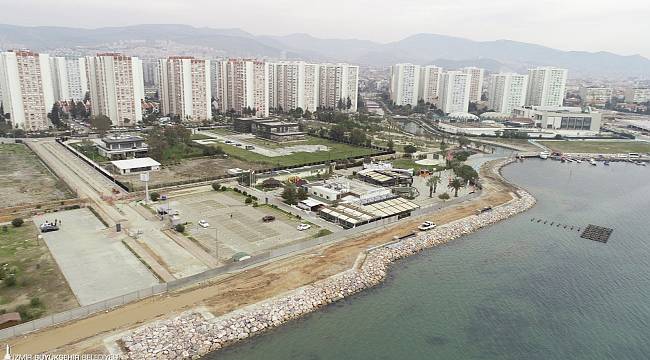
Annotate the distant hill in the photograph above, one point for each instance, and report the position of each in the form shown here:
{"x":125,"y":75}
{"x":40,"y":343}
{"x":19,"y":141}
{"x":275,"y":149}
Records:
{"x":446,"y":51}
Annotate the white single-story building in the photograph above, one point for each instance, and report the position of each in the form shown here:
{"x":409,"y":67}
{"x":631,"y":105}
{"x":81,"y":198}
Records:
{"x":131,"y":166}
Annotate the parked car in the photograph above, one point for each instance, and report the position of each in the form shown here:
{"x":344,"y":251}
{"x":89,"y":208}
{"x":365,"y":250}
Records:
{"x":203,"y":224}
{"x":303,"y":227}
{"x":47,"y":227}
{"x":250,"y":147}
{"x":268,"y":218}
{"x":427,"y":225}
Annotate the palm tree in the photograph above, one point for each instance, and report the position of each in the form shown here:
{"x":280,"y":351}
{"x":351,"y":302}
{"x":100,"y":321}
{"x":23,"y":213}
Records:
{"x":456,"y":184}
{"x":432,"y":183}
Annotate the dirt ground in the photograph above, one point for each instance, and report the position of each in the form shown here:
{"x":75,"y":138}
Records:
{"x":25,"y":180}
{"x":37,"y":274}
{"x":223,"y":295}
{"x":188,"y":170}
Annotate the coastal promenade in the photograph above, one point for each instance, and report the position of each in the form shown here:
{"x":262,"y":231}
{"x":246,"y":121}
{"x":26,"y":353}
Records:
{"x":234,"y":291}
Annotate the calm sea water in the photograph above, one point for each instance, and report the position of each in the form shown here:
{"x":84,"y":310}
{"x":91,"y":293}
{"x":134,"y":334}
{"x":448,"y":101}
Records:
{"x":516,"y":290}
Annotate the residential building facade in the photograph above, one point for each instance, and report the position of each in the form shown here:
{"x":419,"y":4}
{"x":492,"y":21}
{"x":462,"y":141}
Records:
{"x":185,"y":88}
{"x":405,"y":84}
{"x":69,"y":78}
{"x":546,"y":86}
{"x":596,"y":96}
{"x":430,"y":83}
{"x":454,"y":92}
{"x":637,"y":95}
{"x":506,"y":92}
{"x":116,"y":87}
{"x":476,"y":76}
{"x":26,"y":88}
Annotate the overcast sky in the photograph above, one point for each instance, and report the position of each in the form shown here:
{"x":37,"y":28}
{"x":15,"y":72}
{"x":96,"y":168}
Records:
{"x":618,"y":26}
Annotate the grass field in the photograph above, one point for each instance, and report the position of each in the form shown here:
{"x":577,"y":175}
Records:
{"x":337,"y":151}
{"x":598,"y":147}
{"x":38,"y":287}
{"x":25,"y":180}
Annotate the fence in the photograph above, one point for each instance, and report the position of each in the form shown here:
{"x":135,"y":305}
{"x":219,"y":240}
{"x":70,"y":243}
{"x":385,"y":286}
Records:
{"x":81,"y":312}
{"x":93,"y":164}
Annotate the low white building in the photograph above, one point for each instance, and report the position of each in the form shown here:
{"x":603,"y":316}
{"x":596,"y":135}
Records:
{"x":131,"y":166}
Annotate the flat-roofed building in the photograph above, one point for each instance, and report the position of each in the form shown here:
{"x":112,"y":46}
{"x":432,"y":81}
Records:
{"x":637,"y":95}
{"x":118,"y":146}
{"x":185,"y":88}
{"x":476,"y":76}
{"x":595,"y":95}
{"x":69,"y":78}
{"x":405,"y":84}
{"x":546,"y":86}
{"x":429,"y":83}
{"x":131,"y":166}
{"x":454,"y":92}
{"x":26,"y":88}
{"x":506,"y":92}
{"x":574,"y":119}
{"x":116,"y":87}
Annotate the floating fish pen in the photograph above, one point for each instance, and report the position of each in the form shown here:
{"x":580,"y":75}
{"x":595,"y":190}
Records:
{"x":596,"y":233}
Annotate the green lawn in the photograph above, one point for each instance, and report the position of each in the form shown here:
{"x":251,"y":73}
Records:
{"x":598,"y":147}
{"x":38,"y":288}
{"x":337,"y":151}
{"x":90,"y":151}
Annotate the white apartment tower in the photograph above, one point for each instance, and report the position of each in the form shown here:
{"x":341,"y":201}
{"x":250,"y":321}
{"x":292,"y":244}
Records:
{"x":338,"y":84}
{"x":69,"y":78}
{"x":405,"y":84}
{"x":454,"y":92}
{"x":476,"y":76}
{"x":244,"y":85}
{"x":430,"y":83}
{"x":26,"y":88}
{"x":506,"y":92}
{"x":546,"y":86}
{"x":116,"y":87}
{"x":185,"y":88}
{"x":293,"y":85}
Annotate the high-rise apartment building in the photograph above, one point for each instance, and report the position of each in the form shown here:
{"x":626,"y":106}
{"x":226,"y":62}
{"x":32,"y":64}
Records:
{"x":116,"y":87}
{"x":27,"y":90}
{"x":150,"y":72}
{"x":430,"y":83}
{"x":69,"y":78}
{"x":242,"y":84}
{"x":454,"y":92}
{"x":476,"y":76}
{"x":185,"y":88}
{"x":546,"y":86}
{"x":293,"y":85}
{"x":506,"y":92}
{"x":405,"y":84}
{"x":338,"y":86}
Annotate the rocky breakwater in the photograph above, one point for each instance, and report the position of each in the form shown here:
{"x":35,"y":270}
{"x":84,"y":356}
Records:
{"x":190,"y":335}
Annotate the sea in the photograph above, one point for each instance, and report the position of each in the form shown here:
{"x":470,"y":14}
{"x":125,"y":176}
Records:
{"x":520,"y":289}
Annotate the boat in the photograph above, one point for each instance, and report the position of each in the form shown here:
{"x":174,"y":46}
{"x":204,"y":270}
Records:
{"x":592,"y":162}
{"x":579,"y":161}
{"x":606,"y":162}
{"x":544,"y":155}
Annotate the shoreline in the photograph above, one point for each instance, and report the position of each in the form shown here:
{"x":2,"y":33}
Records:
{"x":193,"y":335}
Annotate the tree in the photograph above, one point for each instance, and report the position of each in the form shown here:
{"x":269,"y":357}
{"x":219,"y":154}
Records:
{"x":410,"y":149}
{"x":55,"y":116}
{"x":390,"y":144}
{"x":17,"y":222}
{"x":433,"y":182}
{"x":289,"y":194}
{"x":443,"y":196}
{"x":357,"y":136}
{"x":179,"y":228}
{"x":348,"y":104}
{"x":467,"y":173}
{"x":339,"y":104}
{"x":463,"y":141}
{"x":306,"y":114}
{"x":302,"y":194}
{"x":216,"y":186}
{"x":154,"y":196}
{"x":101,"y":123}
{"x":337,"y":132}
{"x":456,"y":184}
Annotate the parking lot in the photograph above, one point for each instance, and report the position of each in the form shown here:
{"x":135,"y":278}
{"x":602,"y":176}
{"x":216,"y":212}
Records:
{"x":92,"y":258}
{"x":236,"y":227}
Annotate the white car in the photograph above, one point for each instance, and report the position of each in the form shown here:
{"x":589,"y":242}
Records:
{"x":302,"y":227}
{"x":203,"y":224}
{"x":427,"y":225}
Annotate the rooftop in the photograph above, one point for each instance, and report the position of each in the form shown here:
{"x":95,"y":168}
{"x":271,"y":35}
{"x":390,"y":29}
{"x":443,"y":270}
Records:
{"x":135,"y":163}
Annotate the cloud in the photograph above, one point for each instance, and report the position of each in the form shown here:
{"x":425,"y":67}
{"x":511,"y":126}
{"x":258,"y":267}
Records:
{"x":575,"y":25}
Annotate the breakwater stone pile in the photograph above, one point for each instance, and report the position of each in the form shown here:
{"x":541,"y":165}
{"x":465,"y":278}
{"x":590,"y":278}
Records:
{"x":191,"y":335}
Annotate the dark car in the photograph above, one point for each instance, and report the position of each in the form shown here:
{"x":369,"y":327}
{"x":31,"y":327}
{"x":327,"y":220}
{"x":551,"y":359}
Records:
{"x":268,"y":218}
